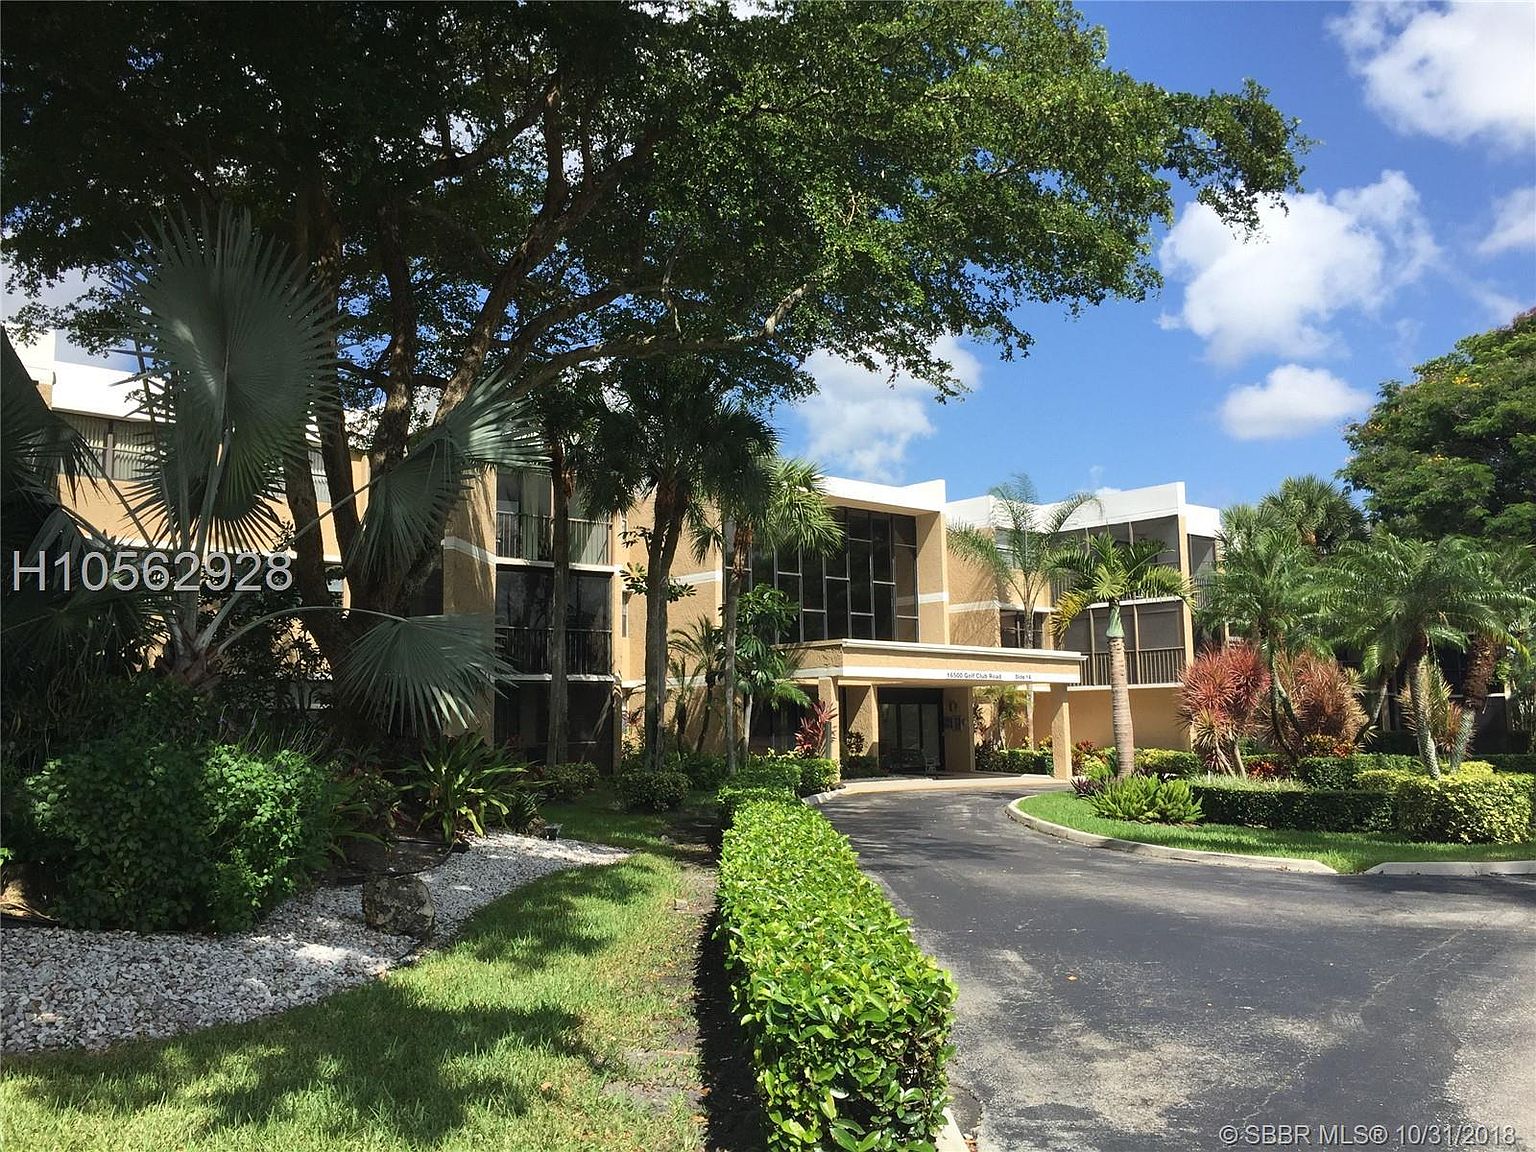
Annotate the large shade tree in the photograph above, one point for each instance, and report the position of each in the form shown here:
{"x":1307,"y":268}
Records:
{"x":550,"y":186}
{"x":1105,"y":571}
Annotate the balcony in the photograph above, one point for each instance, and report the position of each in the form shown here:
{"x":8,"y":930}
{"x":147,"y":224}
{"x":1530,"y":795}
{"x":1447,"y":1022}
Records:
{"x":588,"y":651}
{"x":524,"y":537}
{"x":1144,"y":666}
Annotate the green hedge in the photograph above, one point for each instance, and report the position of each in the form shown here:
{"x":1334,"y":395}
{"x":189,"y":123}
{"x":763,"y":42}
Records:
{"x":156,"y":836}
{"x":817,"y":774}
{"x":1335,"y":772}
{"x":861,"y":767}
{"x":847,"y":1019}
{"x":1301,"y":809}
{"x":1015,"y":761}
{"x":1465,"y":809}
{"x":1168,"y":761}
{"x":1511,"y":761}
{"x":568,"y":781}
{"x":640,"y":790}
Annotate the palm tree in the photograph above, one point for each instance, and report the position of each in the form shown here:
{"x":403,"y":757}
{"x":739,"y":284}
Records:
{"x":699,"y":649}
{"x":1511,"y":590}
{"x":1264,"y":591}
{"x":1104,"y":571}
{"x":778,"y":503}
{"x":237,"y":344}
{"x":677,"y":433}
{"x":1405,"y":597}
{"x":765,"y":668}
{"x":1020,"y":554}
{"x":1319,"y":512}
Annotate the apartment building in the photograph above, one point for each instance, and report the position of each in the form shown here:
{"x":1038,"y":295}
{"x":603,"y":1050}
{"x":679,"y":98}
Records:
{"x":893,"y":631}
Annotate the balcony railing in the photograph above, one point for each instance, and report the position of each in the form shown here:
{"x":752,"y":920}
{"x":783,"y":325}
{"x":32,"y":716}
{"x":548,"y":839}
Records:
{"x":1143,"y":666}
{"x":524,"y":537}
{"x":588,"y":651}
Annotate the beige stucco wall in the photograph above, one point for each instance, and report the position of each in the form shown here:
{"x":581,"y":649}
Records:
{"x":1154,"y":717}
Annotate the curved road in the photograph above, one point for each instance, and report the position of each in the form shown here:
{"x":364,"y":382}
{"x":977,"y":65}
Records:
{"x":1116,"y":1004}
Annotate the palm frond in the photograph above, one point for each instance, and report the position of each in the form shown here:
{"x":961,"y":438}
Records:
{"x":432,"y":672}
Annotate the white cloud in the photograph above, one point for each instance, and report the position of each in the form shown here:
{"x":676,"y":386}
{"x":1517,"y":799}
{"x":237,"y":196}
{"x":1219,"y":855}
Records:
{"x":1292,"y":401}
{"x":860,"y":422}
{"x":1276,"y":291}
{"x":1514,"y":222}
{"x":1455,"y":72}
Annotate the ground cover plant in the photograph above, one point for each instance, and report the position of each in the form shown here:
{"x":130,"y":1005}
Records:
{"x":1344,"y":851}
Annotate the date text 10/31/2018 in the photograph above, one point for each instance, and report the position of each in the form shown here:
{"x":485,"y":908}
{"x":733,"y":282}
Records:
{"x":154,"y":571}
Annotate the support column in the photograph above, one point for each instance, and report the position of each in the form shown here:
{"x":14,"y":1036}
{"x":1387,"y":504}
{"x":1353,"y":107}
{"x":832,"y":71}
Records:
{"x":1058,"y":716}
{"x":959,"y":746}
{"x":826,"y":693}
{"x":862,"y":716}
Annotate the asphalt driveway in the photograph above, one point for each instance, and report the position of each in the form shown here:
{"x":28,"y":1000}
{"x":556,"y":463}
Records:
{"x":1115,"y":1004}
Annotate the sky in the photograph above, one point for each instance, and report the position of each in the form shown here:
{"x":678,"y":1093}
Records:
{"x":1416,"y":226}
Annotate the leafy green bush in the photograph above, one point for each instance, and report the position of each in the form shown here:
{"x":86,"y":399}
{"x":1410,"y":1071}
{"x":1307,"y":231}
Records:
{"x":703,"y":770}
{"x":458,"y":780}
{"x":644,"y":791}
{"x":817,"y":774}
{"x":848,"y":1021}
{"x":164,"y":836}
{"x":1288,"y":805}
{"x":769,"y":772}
{"x":1464,"y":809}
{"x":1382,"y":779}
{"x":1015,"y":761}
{"x":1330,"y":773}
{"x":568,"y":781}
{"x":1511,"y":761}
{"x":1147,"y":800}
{"x":1168,"y":761}
{"x":861,"y":767}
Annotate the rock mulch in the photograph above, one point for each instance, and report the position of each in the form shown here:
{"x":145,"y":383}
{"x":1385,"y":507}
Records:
{"x":64,"y":988}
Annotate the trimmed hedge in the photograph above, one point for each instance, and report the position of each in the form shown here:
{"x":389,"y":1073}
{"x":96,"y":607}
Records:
{"x":1335,"y":772}
{"x":642,"y":791}
{"x":568,"y":781}
{"x":817,"y":774}
{"x":155,"y":836}
{"x":1300,"y":809}
{"x":1465,"y":809}
{"x":1015,"y":761}
{"x":861,"y":767}
{"x":847,"y":1019}
{"x":1168,"y":761}
{"x":1511,"y":761}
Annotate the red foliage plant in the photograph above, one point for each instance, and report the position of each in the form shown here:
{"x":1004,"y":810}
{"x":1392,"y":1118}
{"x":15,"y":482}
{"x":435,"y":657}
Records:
{"x":811,"y":736}
{"x":1325,"y":703}
{"x":1219,"y":700}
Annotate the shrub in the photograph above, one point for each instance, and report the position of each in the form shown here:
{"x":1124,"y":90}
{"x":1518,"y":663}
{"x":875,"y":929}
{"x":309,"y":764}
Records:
{"x":847,"y":1020}
{"x":1168,"y":762}
{"x":1219,"y":694}
{"x":1381,"y":779}
{"x":1329,"y":773}
{"x":1086,"y":786}
{"x":1511,"y":761}
{"x":858,"y":767}
{"x":1015,"y":761}
{"x":813,"y":735}
{"x":166,"y":836}
{"x":458,"y":780}
{"x":781,"y":772}
{"x":1265,"y":768}
{"x":643,"y":791}
{"x":568,"y":781}
{"x":1147,"y":800}
{"x":704,"y":771}
{"x":1463,"y":809}
{"x":1288,"y":805}
{"x":817,"y":774}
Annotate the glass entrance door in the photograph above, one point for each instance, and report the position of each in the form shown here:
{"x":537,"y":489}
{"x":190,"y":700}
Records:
{"x":910,"y":737}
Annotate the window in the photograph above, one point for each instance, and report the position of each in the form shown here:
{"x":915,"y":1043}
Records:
{"x":867,"y":590}
{"x":624,"y":615}
{"x":317,"y":473}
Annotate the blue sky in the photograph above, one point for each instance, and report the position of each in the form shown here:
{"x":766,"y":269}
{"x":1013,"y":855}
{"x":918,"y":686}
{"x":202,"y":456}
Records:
{"x":1417,"y":226}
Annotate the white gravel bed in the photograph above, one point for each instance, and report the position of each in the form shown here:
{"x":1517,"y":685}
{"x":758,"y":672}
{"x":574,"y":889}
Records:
{"x":63,"y":988}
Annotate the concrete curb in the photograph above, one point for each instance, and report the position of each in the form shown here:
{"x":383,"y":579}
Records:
{"x":1163,"y":852}
{"x":950,"y":1138}
{"x":1453,"y":868}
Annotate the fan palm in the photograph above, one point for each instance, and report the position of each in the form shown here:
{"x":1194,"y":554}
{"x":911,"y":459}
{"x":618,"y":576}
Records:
{"x":1320,"y":514}
{"x":1401,"y":598}
{"x":1511,"y":591}
{"x":237,"y":344}
{"x":675,"y":432}
{"x":1104,"y":571}
{"x":1020,"y":554}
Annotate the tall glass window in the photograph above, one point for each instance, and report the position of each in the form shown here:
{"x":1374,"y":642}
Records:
{"x":867,"y":590}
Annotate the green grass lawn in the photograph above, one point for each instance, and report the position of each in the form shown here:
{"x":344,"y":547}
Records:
{"x":597,"y":817}
{"x":1344,"y":851}
{"x":560,"y":1019}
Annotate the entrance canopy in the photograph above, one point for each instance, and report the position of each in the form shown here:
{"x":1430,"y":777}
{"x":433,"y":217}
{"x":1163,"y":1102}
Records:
{"x":902,"y":662}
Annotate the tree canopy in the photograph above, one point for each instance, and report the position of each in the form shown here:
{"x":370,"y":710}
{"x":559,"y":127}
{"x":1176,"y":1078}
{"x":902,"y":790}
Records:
{"x":1454,"y":452}
{"x":549,"y":186}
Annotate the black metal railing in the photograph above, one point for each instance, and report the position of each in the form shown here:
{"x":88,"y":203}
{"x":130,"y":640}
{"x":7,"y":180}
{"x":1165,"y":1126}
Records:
{"x":1143,"y":666}
{"x":525,"y":537}
{"x":588,"y":651}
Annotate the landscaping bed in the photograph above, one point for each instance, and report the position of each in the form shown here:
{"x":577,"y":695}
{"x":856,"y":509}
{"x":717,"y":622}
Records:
{"x":70,"y":987}
{"x":1343,"y":851}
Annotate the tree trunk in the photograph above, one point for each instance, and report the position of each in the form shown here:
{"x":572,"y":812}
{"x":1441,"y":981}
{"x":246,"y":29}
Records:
{"x":1482,"y":658}
{"x":1418,"y":694}
{"x":709,"y":708}
{"x":659,"y":552}
{"x":730,"y":560}
{"x":560,"y":597}
{"x":747,"y":721}
{"x":1120,"y":699}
